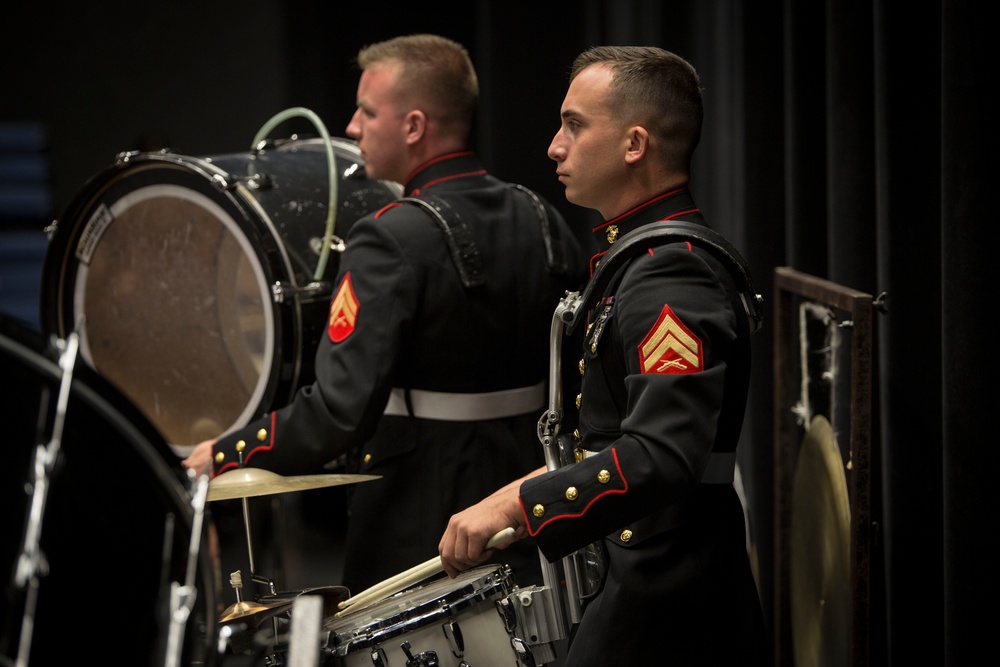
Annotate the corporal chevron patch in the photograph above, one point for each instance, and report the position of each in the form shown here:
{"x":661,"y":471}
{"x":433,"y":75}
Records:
{"x":343,"y":311}
{"x":670,"y":347}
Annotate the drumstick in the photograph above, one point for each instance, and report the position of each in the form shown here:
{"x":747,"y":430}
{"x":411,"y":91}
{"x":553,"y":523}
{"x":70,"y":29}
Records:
{"x":411,"y":576}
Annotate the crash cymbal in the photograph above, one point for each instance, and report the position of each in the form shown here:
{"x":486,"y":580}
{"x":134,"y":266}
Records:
{"x":332,"y":597}
{"x":820,"y":566}
{"x":252,"y":613}
{"x":248,"y":482}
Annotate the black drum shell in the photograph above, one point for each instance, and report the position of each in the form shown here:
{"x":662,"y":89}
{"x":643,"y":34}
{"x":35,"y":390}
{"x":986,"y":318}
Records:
{"x":117,"y":524}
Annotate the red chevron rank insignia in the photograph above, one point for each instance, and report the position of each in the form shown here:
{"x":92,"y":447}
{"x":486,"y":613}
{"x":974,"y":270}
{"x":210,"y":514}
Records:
{"x":670,"y":348}
{"x":343,"y":312}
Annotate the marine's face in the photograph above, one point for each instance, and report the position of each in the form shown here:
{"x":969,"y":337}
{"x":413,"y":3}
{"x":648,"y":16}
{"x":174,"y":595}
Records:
{"x":378,"y":124}
{"x":590,"y":146}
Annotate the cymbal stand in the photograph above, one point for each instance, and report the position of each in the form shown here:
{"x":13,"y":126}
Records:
{"x":246,"y":523}
{"x":182,"y":598}
{"x":253,"y":568}
{"x":31,"y":564}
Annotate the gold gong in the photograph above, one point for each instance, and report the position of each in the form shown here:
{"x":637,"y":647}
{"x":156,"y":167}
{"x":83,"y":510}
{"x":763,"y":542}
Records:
{"x":820,"y":569}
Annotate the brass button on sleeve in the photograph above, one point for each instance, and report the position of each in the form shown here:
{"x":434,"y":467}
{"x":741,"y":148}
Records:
{"x":220,"y":457}
{"x":604,"y":477}
{"x":571,"y":493}
{"x":241,"y":445}
{"x":368,"y":458}
{"x":262,"y":434}
{"x":626,"y":535}
{"x":538,"y":511}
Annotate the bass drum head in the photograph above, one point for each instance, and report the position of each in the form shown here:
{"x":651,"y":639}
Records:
{"x":115,"y":527}
{"x":199,"y":285}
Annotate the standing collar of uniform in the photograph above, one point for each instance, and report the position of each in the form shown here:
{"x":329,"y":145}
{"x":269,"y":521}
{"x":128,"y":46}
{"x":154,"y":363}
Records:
{"x":670,"y":205}
{"x":445,"y":167}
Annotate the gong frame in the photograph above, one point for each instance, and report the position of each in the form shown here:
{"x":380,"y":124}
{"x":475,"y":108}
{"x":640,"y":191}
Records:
{"x":854,"y":311}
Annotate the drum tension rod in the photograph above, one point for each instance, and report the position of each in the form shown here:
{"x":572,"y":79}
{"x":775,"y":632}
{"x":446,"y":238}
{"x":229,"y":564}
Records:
{"x":283,"y":290}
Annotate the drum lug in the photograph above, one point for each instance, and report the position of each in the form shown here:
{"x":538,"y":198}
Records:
{"x":378,"y":657}
{"x":508,"y":614}
{"x":425,"y":659}
{"x":454,"y":634}
{"x":524,"y":655}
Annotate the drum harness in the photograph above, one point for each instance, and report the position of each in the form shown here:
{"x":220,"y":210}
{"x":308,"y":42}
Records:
{"x":584,"y":569}
{"x":406,"y":402}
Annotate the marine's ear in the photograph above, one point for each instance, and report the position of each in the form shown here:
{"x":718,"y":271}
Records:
{"x":638,"y":144}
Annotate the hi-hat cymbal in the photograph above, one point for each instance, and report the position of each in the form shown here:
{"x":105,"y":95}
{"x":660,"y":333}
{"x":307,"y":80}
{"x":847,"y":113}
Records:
{"x":252,"y":613}
{"x":247,"y":482}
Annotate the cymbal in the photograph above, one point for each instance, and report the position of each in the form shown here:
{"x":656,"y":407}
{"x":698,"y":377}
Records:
{"x":248,"y":482}
{"x":332,"y":596}
{"x":252,"y":613}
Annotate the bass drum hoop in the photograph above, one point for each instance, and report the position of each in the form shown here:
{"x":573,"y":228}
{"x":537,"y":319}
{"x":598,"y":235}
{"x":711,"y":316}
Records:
{"x":243,"y":218}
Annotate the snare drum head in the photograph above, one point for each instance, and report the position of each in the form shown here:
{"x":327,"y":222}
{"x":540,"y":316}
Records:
{"x":116,"y":523}
{"x":200,"y":286}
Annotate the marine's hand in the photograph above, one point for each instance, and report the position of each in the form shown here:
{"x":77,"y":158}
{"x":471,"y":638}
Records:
{"x":200,"y":458}
{"x":463,"y":544}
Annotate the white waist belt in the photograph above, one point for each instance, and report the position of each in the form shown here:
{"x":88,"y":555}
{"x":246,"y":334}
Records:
{"x":466,"y":407}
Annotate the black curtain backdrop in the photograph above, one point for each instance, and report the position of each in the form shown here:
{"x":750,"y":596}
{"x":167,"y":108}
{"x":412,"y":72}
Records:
{"x":850,"y":141}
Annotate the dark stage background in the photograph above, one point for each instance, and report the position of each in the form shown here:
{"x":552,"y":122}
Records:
{"x":850,"y":141}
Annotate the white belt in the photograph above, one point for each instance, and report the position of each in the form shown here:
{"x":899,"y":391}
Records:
{"x":466,"y":407}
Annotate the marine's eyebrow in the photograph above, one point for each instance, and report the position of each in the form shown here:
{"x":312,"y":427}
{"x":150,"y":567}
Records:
{"x":570,"y":113}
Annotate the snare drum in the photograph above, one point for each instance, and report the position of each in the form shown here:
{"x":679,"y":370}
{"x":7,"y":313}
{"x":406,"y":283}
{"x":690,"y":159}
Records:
{"x":455,"y":619}
{"x":201,"y":286}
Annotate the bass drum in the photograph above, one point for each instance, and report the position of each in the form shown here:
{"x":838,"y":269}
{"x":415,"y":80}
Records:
{"x":200,"y":286}
{"x":113,"y":529}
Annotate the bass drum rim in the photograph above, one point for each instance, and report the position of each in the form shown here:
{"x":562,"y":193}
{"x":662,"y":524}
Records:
{"x":195,"y":367}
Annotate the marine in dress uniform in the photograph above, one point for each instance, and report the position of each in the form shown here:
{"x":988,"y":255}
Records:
{"x":665,"y":373}
{"x":434,"y":365}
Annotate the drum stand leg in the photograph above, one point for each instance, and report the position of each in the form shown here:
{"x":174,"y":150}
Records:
{"x":182,"y":598}
{"x":31,"y":563}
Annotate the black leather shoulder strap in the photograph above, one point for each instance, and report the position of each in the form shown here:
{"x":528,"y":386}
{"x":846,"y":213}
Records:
{"x":461,"y":246}
{"x":673,"y":231}
{"x":555,"y":255}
